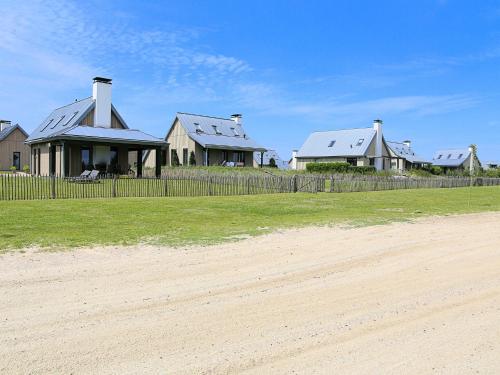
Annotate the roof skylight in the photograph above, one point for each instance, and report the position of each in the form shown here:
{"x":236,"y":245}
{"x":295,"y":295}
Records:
{"x":70,"y":119}
{"x":235,"y":132}
{"x":460,"y":156}
{"x":440,"y":156}
{"x":360,"y":142}
{"x":58,"y":122}
{"x":449,"y":156}
{"x":217,"y":131}
{"x":46,"y":125}
{"x":331,"y":143}
{"x":198,"y":127}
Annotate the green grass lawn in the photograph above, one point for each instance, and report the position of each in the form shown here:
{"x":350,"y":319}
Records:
{"x":207,"y":220}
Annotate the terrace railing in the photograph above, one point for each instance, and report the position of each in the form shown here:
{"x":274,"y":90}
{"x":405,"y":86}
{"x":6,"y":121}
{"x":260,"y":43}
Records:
{"x":192,"y":184}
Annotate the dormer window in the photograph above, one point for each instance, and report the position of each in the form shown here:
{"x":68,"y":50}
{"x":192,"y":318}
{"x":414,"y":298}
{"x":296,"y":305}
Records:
{"x":235,"y":132}
{"x":331,"y":143}
{"x":217,"y":131}
{"x":360,"y":142}
{"x":198,"y":128}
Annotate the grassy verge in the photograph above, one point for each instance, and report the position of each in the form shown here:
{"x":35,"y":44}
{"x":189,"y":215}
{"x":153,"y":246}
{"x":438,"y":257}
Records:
{"x":178,"y":221}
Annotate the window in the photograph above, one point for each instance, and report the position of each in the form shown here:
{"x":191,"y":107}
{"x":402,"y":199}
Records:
{"x":216,"y":130}
{"x":224,"y":155}
{"x":440,"y":156}
{"x":57,"y":123}
{"x":239,"y":156}
{"x":331,"y":143}
{"x":185,"y":160}
{"x":352,"y":161}
{"x":48,"y":123}
{"x":113,"y":159}
{"x":449,"y":156}
{"x":235,"y":132}
{"x":372,"y":161}
{"x":85,"y":154}
{"x":360,"y":142}
{"x":198,"y":127}
{"x":163,"y":157}
{"x":16,"y":160}
{"x":70,"y":119}
{"x":460,"y":156}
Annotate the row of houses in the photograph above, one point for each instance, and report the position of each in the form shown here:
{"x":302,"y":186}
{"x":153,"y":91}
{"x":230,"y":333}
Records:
{"x":368,"y":147}
{"x":91,"y":134}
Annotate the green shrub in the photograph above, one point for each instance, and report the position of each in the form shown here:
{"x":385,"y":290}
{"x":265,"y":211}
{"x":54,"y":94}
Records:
{"x":26,"y":168}
{"x":339,"y":167}
{"x":272,"y":163}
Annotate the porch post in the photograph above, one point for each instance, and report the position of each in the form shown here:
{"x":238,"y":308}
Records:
{"x":261,"y":159}
{"x":158,"y":162}
{"x":63,"y":160}
{"x":139,"y":163}
{"x":206,"y":157}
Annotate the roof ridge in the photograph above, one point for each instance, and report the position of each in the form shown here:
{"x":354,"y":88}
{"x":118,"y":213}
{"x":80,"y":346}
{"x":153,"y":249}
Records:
{"x":194,"y":114}
{"x":337,"y":130}
{"x":76,"y":101}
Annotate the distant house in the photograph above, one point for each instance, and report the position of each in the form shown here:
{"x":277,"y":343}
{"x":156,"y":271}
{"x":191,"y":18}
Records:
{"x":13,"y":150}
{"x":265,"y":159}
{"x":403,"y":156}
{"x":88,"y":134}
{"x":358,"y":147}
{"x":491,"y":165}
{"x":450,"y":159}
{"x":206,"y":140}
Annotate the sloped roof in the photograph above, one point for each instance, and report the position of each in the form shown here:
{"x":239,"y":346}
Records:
{"x":63,"y":123}
{"x":62,"y":118}
{"x":8,"y":130}
{"x":450,"y":157}
{"x":280,"y":163}
{"x":403,"y":151}
{"x":345,"y":143}
{"x":227,"y":134}
{"x":115,"y":135}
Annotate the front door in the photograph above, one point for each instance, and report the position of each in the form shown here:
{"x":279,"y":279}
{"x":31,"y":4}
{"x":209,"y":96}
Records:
{"x":16,"y":160}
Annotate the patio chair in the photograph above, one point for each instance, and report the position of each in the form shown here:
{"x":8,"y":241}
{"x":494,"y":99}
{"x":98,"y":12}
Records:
{"x":84,"y":175}
{"x":91,"y":177}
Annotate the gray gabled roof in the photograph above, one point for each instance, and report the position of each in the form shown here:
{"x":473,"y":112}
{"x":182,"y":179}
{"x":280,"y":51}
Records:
{"x":64,"y":118}
{"x":8,"y":130}
{"x":403,"y":151}
{"x":280,"y":163}
{"x":337,"y":143}
{"x":227,"y":134}
{"x":111,"y":135}
{"x":450,"y":157}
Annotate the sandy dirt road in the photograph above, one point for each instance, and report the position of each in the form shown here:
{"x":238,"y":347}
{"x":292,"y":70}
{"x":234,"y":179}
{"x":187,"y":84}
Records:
{"x":398,"y":299}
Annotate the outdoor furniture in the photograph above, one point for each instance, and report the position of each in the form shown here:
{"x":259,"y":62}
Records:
{"x":84,"y":175}
{"x":91,"y":177}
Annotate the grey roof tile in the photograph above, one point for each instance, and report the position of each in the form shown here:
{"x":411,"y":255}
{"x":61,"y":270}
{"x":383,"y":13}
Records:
{"x":8,"y":130}
{"x":123,"y":135}
{"x":345,"y":143}
{"x":450,"y":157}
{"x":405,"y":152}
{"x":216,"y":132}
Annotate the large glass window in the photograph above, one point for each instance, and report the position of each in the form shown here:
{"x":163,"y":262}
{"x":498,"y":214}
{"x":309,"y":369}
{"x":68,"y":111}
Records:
{"x":185,"y":160}
{"x":85,"y":154}
{"x":16,"y":160}
{"x":113,"y":160}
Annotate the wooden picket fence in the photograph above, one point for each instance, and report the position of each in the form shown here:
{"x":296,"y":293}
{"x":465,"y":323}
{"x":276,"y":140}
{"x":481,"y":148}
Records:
{"x":17,"y":187}
{"x":193,"y":184}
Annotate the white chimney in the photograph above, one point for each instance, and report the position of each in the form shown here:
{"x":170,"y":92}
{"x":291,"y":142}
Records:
{"x":4,"y":124}
{"x":294,"y":160}
{"x":379,"y":161}
{"x":471,"y":161}
{"x":236,"y":118}
{"x":101,"y":93}
{"x":407,"y":143}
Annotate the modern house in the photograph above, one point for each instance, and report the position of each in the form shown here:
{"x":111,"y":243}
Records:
{"x":13,"y":150}
{"x":264,"y":159}
{"x":491,"y":165}
{"x":358,"y":147}
{"x":205,"y":140}
{"x":89,"y":134}
{"x":403,"y":156}
{"x":453,"y":159}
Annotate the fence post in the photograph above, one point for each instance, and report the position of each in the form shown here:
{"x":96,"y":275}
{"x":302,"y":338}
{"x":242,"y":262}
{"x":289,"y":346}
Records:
{"x":114,"y":187}
{"x":53,"y":187}
{"x":332,"y":181}
{"x":294,"y":183}
{"x":166,"y":185}
{"x":210,"y":185}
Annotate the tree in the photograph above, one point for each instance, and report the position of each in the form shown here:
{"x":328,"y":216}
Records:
{"x":272,"y":163}
{"x":192,"y":158}
{"x":473,"y":147}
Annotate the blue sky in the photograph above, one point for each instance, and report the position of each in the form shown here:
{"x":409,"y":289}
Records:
{"x":428,"y":68}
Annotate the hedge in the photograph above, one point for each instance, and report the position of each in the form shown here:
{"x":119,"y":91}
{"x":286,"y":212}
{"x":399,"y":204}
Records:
{"x":339,"y":167}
